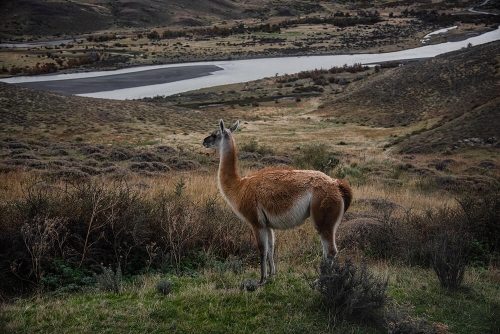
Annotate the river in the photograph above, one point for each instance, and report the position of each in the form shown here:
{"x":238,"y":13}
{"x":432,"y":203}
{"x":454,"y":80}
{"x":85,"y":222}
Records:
{"x":140,"y":82}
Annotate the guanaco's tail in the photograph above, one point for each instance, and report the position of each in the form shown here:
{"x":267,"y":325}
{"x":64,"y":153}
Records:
{"x":346,"y":192}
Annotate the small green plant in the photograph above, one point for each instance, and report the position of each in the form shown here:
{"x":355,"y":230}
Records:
{"x":179,"y":187}
{"x":249,"y":285}
{"x":236,"y":266}
{"x":63,"y":277}
{"x":109,"y":280}
{"x":164,"y":287}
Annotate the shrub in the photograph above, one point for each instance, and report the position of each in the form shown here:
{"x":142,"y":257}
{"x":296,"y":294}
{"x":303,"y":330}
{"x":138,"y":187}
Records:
{"x":39,"y":236}
{"x":250,"y":146}
{"x":233,"y":265}
{"x":350,"y":291}
{"x":62,"y":277}
{"x":408,"y":237}
{"x":249,"y":285}
{"x":164,"y":287}
{"x":316,"y":157}
{"x":106,"y":221}
{"x":482,"y":210}
{"x":109,"y":280}
{"x":253,"y":146}
{"x":400,"y":322}
{"x":153,"y":35}
{"x":448,"y":259}
{"x":179,"y":187}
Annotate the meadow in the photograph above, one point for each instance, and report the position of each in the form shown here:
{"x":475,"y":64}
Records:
{"x":123,"y":229}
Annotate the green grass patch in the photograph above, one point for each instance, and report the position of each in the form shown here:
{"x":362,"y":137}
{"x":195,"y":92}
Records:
{"x":286,"y":304}
{"x":195,"y":305}
{"x":472,"y":309}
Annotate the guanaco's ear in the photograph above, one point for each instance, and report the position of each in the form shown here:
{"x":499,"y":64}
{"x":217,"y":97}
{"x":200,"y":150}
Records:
{"x":221,"y":124}
{"x":235,"y":126}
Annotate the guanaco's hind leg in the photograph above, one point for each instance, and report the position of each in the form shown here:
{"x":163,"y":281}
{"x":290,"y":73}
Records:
{"x":326,"y":217}
{"x":270,"y":252}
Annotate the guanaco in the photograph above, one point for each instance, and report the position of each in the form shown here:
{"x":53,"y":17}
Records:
{"x":279,"y":198}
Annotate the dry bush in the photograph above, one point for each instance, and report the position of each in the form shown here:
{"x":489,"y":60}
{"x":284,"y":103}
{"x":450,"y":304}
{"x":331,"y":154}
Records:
{"x":482,"y":211}
{"x":400,"y":322}
{"x":112,"y":222}
{"x":449,"y":259}
{"x":45,"y":239}
{"x":391,"y":232}
{"x":350,"y":291}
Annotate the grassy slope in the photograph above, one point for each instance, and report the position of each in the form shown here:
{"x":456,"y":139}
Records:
{"x":56,"y":117}
{"x":481,"y":122}
{"x":440,"y":93}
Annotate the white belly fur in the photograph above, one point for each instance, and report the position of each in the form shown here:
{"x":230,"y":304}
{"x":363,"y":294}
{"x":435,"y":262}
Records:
{"x":296,"y":216}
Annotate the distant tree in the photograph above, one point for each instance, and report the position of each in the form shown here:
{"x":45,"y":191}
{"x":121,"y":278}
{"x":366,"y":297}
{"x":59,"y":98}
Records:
{"x":15,"y":70}
{"x":153,"y":35}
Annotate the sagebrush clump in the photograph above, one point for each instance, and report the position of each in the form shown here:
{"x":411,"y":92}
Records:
{"x":316,"y":157}
{"x":164,"y":287}
{"x":109,"y":280}
{"x":350,"y":291}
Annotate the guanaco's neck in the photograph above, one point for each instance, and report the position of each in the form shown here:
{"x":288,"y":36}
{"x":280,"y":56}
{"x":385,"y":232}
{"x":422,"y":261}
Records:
{"x":229,"y":177}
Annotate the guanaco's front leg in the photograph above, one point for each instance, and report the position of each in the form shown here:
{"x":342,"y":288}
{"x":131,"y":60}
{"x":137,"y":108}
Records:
{"x":262,"y":237}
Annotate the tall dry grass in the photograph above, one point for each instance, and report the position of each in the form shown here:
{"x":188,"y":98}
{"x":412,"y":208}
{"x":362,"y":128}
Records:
{"x":178,"y":221}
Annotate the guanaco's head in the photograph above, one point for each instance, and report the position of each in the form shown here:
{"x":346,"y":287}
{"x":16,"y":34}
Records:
{"x":218,"y":136}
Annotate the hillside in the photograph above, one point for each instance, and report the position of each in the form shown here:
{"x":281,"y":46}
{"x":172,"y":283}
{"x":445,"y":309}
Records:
{"x":33,"y":19}
{"x":432,"y":105}
{"x":28,"y":113}
{"x":454,"y":96}
{"x":44,"y":18}
{"x":478,"y":127}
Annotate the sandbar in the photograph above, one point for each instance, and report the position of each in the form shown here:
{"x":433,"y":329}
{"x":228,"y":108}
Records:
{"x":124,"y":80}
